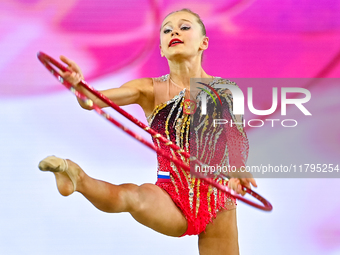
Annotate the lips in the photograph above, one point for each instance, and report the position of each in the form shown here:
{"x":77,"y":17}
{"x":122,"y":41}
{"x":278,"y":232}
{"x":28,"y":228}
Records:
{"x":174,"y":42}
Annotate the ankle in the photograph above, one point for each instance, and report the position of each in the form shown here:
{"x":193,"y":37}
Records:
{"x":81,"y":177}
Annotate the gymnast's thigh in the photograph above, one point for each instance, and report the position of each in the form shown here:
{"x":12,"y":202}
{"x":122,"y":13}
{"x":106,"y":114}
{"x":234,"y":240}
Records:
{"x":157,"y":211}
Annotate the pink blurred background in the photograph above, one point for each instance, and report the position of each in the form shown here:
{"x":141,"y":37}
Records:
{"x":117,"y":41}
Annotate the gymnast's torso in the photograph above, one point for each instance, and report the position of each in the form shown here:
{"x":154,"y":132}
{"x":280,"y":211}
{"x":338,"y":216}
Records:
{"x":198,"y":201}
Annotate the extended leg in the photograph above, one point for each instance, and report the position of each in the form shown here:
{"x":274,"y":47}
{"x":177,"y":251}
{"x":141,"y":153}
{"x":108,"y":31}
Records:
{"x":148,"y":204}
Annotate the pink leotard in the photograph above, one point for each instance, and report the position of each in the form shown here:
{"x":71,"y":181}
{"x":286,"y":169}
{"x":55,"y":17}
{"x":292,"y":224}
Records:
{"x":198,"y":201}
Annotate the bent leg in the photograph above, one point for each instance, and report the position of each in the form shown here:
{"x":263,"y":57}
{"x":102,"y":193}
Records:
{"x":221,"y":236}
{"x":148,"y":204}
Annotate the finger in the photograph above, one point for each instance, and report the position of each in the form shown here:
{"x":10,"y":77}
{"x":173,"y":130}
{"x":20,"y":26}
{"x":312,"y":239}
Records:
{"x":245,"y":183}
{"x":75,"y":78}
{"x":72,"y":66}
{"x":252,"y":181}
{"x":65,"y":75}
{"x":65,"y":60}
{"x":248,"y":181}
{"x":233,"y":182}
{"x":230,"y":183}
{"x":80,"y":77}
{"x":72,"y":76}
{"x":236,"y":186}
{"x":240,"y":190}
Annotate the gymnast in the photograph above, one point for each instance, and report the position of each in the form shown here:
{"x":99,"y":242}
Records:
{"x":178,"y":204}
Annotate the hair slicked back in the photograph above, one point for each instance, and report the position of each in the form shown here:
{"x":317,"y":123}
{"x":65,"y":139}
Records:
{"x":199,"y":21}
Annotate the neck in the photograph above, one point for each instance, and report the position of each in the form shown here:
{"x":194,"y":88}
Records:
{"x":182,"y":71}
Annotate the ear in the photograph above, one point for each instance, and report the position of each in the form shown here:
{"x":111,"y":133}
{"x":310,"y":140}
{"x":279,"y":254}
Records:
{"x":205,"y":43}
{"x":162,"y":54}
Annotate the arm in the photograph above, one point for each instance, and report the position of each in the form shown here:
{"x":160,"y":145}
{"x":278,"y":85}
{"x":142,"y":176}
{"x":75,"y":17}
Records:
{"x":132,"y":92}
{"x":137,"y":91}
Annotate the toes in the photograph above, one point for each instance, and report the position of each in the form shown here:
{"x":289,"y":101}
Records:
{"x":53,"y":164}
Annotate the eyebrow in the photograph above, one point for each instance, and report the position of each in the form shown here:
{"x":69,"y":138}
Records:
{"x":180,"y":19}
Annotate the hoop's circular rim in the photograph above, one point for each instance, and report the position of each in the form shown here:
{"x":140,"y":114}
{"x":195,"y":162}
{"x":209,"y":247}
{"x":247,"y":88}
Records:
{"x":266,"y":205}
{"x":46,"y":60}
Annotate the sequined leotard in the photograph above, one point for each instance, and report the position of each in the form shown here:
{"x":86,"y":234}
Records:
{"x":198,"y":201}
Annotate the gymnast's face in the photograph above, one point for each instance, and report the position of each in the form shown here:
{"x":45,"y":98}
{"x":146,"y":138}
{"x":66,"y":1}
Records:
{"x":184,"y":27}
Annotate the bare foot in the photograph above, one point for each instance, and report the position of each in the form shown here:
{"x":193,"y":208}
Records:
{"x":66,"y":175}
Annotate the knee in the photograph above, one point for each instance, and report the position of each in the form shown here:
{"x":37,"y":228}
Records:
{"x":140,"y":197}
{"x":133,"y":196}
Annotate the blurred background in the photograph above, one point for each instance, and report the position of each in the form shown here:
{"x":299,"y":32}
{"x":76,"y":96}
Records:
{"x":117,"y":41}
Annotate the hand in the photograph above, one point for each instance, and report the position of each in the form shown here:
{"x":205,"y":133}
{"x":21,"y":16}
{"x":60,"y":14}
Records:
{"x":236,"y":184}
{"x":75,"y":75}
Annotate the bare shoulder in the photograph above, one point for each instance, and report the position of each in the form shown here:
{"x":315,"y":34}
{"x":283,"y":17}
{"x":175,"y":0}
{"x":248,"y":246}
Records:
{"x":141,"y":83}
{"x":145,"y":88}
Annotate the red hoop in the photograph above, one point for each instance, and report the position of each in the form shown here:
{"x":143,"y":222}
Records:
{"x":47,"y":61}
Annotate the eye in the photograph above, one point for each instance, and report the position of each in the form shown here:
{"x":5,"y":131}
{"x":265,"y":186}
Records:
{"x":185,"y":28}
{"x":167,"y":30}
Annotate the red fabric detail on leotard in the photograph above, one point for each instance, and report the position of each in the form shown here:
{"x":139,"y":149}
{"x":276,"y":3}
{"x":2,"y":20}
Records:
{"x":198,"y":201}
